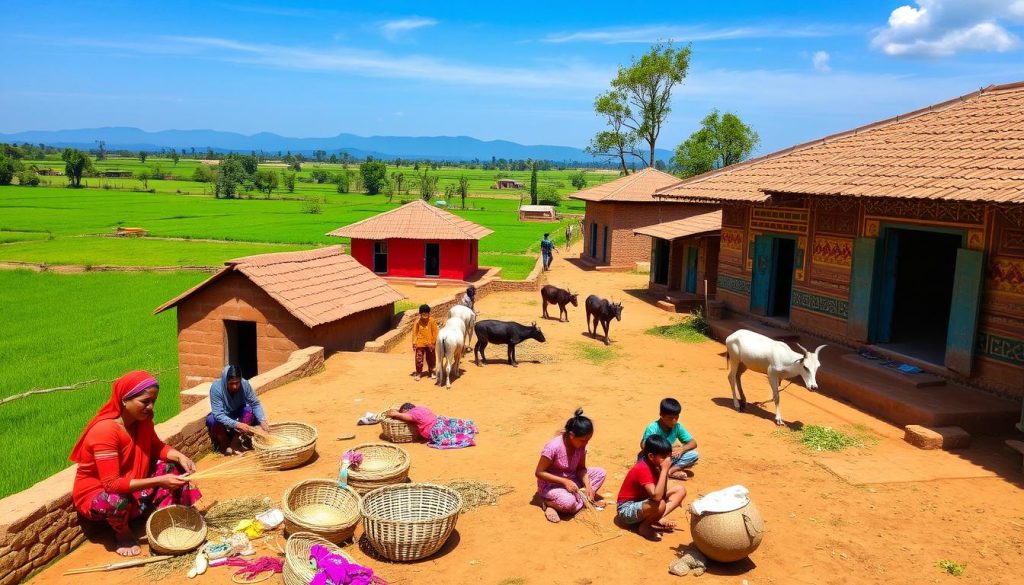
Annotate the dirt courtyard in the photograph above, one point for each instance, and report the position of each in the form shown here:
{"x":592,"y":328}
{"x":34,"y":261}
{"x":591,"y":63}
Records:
{"x":890,"y":519}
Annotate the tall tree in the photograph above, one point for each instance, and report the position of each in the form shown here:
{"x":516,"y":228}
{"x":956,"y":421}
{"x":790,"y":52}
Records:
{"x":722,"y":140}
{"x":617,"y":141}
{"x":375,"y":174}
{"x":175,"y":156}
{"x":463,"y":189}
{"x":142,"y":156}
{"x":397,"y":177}
{"x":428,"y":185}
{"x":101,"y":150}
{"x":76,"y":163}
{"x":533,"y":184}
{"x":647,"y":86}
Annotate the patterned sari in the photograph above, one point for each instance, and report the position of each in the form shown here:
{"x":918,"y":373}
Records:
{"x":452,"y":433}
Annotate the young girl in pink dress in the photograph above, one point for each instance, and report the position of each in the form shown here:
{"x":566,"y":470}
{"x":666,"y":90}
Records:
{"x":440,"y":432}
{"x":563,"y":478}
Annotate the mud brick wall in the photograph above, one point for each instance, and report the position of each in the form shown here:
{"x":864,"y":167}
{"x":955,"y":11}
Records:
{"x":625,"y":248}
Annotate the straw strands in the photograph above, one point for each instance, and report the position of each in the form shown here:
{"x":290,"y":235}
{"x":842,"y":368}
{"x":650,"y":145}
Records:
{"x":227,"y":514}
{"x":478,"y":493}
{"x":590,"y":517}
{"x":237,"y":467}
{"x":160,"y":570}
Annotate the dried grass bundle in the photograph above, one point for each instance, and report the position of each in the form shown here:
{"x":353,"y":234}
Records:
{"x":590,"y":517}
{"x":478,"y":493}
{"x":226,"y":515}
{"x":236,"y":467}
{"x":160,"y":570}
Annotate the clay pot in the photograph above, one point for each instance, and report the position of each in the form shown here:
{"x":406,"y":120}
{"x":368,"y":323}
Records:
{"x":728,"y":536}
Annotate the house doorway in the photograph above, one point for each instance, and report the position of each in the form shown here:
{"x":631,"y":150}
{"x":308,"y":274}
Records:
{"x":604,"y":246}
{"x":691,"y":269}
{"x":660,"y":258}
{"x":916,"y":292}
{"x":240,"y":349}
{"x":432,"y":261}
{"x":593,"y":240}
{"x":781,"y":287}
{"x":380,"y":257}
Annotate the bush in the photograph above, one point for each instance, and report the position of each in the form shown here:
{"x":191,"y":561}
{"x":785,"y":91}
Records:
{"x":311,"y":204}
{"x":548,"y":195}
{"x":319,"y":176}
{"x":202,"y":174}
{"x":28,"y":178}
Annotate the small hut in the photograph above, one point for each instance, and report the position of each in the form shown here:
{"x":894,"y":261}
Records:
{"x":508,"y":184}
{"x":537,"y":213}
{"x":684,"y":255}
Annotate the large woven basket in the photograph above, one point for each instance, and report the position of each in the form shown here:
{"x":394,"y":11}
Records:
{"x":728,"y":536}
{"x":382,"y":465}
{"x":397,"y":431}
{"x":410,"y":522}
{"x":175,"y":530}
{"x":321,"y":507}
{"x":289,"y":445}
{"x":296,"y":563}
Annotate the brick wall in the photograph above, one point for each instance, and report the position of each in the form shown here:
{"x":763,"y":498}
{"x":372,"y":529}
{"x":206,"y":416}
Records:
{"x":39,"y":524}
{"x":625,"y":248}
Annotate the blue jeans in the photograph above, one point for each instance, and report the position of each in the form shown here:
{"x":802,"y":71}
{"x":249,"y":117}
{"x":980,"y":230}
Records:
{"x":688,"y":459}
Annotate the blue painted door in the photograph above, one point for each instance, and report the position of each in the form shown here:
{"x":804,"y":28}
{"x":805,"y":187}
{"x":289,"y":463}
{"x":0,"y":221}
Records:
{"x":691,"y":269}
{"x":963,"y":314}
{"x":862,"y":276}
{"x":760,"y":282}
{"x":886,"y":276}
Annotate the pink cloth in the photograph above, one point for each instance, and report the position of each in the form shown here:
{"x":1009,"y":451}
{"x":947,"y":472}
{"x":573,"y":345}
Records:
{"x":567,"y":502}
{"x":424,"y":419}
{"x":561,"y":464}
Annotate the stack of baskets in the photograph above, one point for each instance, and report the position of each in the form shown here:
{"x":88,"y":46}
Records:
{"x":382,"y":465}
{"x":296,"y":565}
{"x":289,"y":444}
{"x":175,"y":530}
{"x":411,"y":521}
{"x":397,"y":431}
{"x":321,"y":507}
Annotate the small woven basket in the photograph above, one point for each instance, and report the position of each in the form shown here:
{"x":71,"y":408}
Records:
{"x":397,"y":431}
{"x":321,"y":507}
{"x":382,"y":465}
{"x":289,"y":444}
{"x":296,"y":563}
{"x":410,"y":522}
{"x":175,"y":530}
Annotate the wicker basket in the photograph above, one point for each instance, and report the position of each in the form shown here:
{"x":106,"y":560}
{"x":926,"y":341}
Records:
{"x":321,"y":507}
{"x":728,"y":536}
{"x":410,"y":522}
{"x":289,"y":445}
{"x":175,"y":530}
{"x":296,"y":564}
{"x":398,"y":431}
{"x":382,"y":465}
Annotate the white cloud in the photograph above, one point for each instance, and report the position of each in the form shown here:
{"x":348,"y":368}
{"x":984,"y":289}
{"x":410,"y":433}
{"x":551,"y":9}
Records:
{"x":820,"y":61}
{"x":655,"y":33}
{"x":393,"y":29}
{"x":941,"y":28}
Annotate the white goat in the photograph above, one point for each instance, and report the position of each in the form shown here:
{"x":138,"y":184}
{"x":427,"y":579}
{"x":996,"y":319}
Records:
{"x":468,"y":318}
{"x":449,"y":350}
{"x":750,"y":350}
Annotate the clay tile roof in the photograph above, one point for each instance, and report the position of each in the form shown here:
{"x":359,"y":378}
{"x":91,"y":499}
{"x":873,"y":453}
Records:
{"x":705,"y":223}
{"x":970,"y":148}
{"x":316,"y":286}
{"x":636,"y":188}
{"x":417,"y":220}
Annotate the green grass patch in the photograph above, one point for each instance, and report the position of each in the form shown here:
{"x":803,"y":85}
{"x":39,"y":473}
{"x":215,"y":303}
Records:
{"x":7,"y":237}
{"x":513,"y":266}
{"x":952,"y":567}
{"x":595,"y":354}
{"x":404,"y":305}
{"x":94,"y":250}
{"x":689,"y":330}
{"x":63,"y":329}
{"x":821,"y":438}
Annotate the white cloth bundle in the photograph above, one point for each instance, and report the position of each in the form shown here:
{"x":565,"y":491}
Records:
{"x":723,"y":500}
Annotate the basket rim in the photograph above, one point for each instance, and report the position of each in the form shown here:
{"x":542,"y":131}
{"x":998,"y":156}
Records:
{"x":200,"y":534}
{"x":407,"y":486}
{"x":357,"y":475}
{"x":290,"y":514}
{"x":315,"y":539}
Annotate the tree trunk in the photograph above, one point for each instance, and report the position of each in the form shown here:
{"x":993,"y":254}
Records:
{"x":622,"y":160}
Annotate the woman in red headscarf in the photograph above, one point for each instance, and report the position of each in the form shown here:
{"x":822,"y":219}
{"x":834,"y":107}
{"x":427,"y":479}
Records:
{"x":124,"y":469}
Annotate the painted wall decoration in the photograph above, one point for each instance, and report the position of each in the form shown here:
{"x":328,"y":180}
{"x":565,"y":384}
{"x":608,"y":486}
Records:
{"x":836,"y":222}
{"x":776,"y":219}
{"x":1001,"y":348}
{"x":1006,"y":275}
{"x":732,"y":239}
{"x":734,"y":284}
{"x":831,"y":306}
{"x":1011,"y":242}
{"x":927,"y":209}
{"x":734,"y":215}
{"x":832,"y":251}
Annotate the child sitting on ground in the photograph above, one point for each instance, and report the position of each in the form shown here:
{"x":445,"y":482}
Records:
{"x":668,"y":427}
{"x":644,"y":497}
{"x":424,"y":338}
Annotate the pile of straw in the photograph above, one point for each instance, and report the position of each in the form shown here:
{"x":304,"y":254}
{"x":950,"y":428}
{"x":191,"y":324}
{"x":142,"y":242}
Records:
{"x":478,"y":493}
{"x":247,"y":466}
{"x":160,"y":570}
{"x":226,"y":515}
{"x":591,"y":518}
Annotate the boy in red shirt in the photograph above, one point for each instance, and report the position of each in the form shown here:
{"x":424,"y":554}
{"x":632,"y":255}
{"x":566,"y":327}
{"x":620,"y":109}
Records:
{"x":644,"y":497}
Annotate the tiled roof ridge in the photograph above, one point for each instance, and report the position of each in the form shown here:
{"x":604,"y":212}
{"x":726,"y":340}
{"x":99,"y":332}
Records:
{"x":285,"y":257}
{"x":934,"y":108}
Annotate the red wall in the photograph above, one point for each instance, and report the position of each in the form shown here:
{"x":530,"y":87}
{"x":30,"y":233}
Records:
{"x":406,"y":257}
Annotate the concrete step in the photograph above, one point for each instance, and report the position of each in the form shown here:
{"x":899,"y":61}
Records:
{"x":919,"y":380}
{"x":769,"y":331}
{"x":666,"y":306}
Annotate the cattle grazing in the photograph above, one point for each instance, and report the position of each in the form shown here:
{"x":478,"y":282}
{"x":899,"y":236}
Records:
{"x":602,"y":311}
{"x":749,"y":350}
{"x":468,"y":317}
{"x":449,"y":350}
{"x":557,"y":296}
{"x":503,"y":333}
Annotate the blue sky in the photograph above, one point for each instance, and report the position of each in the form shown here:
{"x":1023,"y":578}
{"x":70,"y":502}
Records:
{"x":527,"y":73}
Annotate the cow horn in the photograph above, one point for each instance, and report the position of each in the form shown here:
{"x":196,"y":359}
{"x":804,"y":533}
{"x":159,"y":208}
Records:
{"x":534,"y":324}
{"x":820,"y":347}
{"x":802,"y":348}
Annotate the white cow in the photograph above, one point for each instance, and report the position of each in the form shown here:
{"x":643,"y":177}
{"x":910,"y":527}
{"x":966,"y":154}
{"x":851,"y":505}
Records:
{"x":449,"y":350}
{"x":750,"y":350}
{"x":468,"y":318}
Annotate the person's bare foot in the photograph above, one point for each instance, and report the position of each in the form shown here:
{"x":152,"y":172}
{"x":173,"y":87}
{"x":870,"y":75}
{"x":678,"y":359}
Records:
{"x":552,"y":515}
{"x":416,"y":377}
{"x":664,"y":526}
{"x":680,"y":474}
{"x":649,"y":533}
{"x":128,"y":546}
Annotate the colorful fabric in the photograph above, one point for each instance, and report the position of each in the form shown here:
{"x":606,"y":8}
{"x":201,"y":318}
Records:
{"x":424,"y":334}
{"x":428,"y":354}
{"x":561,"y":464}
{"x":633,"y":486}
{"x":678,"y":433}
{"x":423,"y":418}
{"x":119,"y":509}
{"x":335,"y":569}
{"x":227,"y":407}
{"x":220,"y":435}
{"x":452,"y":433}
{"x":630,"y":512}
{"x":562,"y":500}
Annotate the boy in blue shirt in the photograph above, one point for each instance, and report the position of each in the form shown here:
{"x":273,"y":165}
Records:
{"x":685,"y":455}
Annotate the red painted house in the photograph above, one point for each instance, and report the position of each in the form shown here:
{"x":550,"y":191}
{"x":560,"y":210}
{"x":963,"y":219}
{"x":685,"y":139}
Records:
{"x":416,"y":240}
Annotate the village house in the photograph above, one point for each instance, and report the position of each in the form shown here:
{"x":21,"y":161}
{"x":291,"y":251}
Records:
{"x":684,"y":259}
{"x":906,"y":235}
{"x":615,"y":209}
{"x":416,"y":240}
{"x":507,"y":184}
{"x":259,"y":309}
{"x":537,"y":213}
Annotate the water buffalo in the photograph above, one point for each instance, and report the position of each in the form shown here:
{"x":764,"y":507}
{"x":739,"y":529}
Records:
{"x":503,"y":333}
{"x":557,"y":296}
{"x":603,"y":311}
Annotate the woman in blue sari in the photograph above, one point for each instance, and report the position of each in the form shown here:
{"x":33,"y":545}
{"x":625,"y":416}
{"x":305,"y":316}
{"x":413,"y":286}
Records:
{"x":234,"y":411}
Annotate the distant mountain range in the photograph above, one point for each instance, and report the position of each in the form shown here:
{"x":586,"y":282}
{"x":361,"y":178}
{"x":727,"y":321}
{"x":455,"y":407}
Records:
{"x":462,"y":148}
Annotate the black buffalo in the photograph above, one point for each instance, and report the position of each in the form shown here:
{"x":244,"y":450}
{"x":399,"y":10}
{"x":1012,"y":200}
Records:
{"x":603,"y":311}
{"x":557,"y":296}
{"x":503,"y":333}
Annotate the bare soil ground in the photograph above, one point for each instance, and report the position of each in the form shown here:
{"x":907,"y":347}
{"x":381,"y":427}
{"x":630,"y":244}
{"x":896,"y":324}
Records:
{"x":876,"y":526}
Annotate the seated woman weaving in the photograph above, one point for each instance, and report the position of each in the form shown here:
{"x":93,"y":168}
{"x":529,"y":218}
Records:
{"x":234,"y":410}
{"x":124,"y":469}
{"x":440,"y":432}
